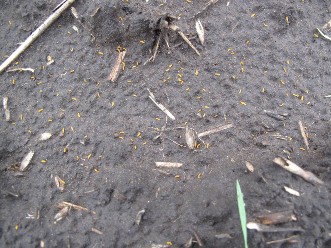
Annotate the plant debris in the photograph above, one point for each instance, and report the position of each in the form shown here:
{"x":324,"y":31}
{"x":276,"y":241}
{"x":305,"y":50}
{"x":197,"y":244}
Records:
{"x":5,"y":107}
{"x":116,"y":69}
{"x":200,"y":31}
{"x":45,"y":136}
{"x":139,"y":216}
{"x":264,"y":228}
{"x":191,"y":137}
{"x":26,"y":160}
{"x":59,"y":183}
{"x":295,"y":169}
{"x":160,"y":106}
{"x":62,"y":213}
{"x":304,"y":134}
{"x":291,"y":191}
{"x":277,"y":217}
{"x":168,"y":164}
{"x":21,"y":70}
{"x":249,"y":166}
{"x":215,"y":130}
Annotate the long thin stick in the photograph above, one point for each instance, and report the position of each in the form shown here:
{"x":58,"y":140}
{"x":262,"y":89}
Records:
{"x":35,"y":35}
{"x":160,"y":106}
{"x":215,"y":130}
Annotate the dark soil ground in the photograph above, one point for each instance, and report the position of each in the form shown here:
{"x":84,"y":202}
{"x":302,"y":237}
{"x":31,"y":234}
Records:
{"x":258,"y":55}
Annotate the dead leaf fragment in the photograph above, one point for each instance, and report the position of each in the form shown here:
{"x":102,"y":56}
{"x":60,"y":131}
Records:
{"x":200,"y":31}
{"x":74,"y":12}
{"x":26,"y":160}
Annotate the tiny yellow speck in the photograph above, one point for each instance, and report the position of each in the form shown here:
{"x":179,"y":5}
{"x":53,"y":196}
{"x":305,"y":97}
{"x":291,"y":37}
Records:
{"x":72,"y":129}
{"x":243,"y":103}
{"x":206,"y":107}
{"x":157,"y":118}
{"x":177,"y":176}
{"x":302,"y":98}
{"x":139,"y":134}
{"x":169,"y":242}
{"x":145,"y":143}
{"x":112,"y":104}
{"x":13,"y":81}
{"x":135,"y":147}
{"x":199,"y":176}
{"x":134,"y":95}
{"x":217,"y":74}
{"x":252,"y":15}
{"x":242,"y":69}
{"x":74,"y":98}
{"x":100,"y":53}
{"x":282,"y":82}
{"x":196,"y":72}
{"x":50,"y":120}
{"x":263,"y":90}
{"x":21,"y":117}
{"x":89,"y":156}
{"x":65,"y":149}
{"x":96,"y":170}
{"x":121,"y":138}
{"x":40,"y":110}
{"x":78,"y":115}
{"x":264,"y":24}
{"x":207,"y":145}
{"x":72,"y":71}
{"x":281,"y":105}
{"x":63,"y":130}
{"x":43,"y":161}
{"x":302,"y":149}
{"x":16,"y":227}
{"x":287,"y":20}
{"x":98,"y":94}
{"x":142,"y":42}
{"x":77,"y":157}
{"x":123,"y":65}
{"x":285,"y":70}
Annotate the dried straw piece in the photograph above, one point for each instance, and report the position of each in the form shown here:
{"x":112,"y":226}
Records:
{"x":291,"y":191}
{"x":160,"y":106}
{"x":168,"y":164}
{"x":59,"y":183}
{"x":249,"y":166}
{"x":116,"y":69}
{"x":264,"y":228}
{"x":303,"y":134}
{"x":5,"y":107}
{"x":215,"y":130}
{"x":191,"y":137}
{"x":26,"y":161}
{"x":295,"y":169}
{"x":139,"y":216}
{"x":20,"y":70}
{"x":62,"y":213}
{"x":200,"y":31}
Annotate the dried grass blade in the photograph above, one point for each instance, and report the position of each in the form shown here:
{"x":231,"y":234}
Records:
{"x":295,"y":169}
{"x":68,"y":204}
{"x":215,"y":130}
{"x":61,"y":214}
{"x":5,"y":107}
{"x":188,"y":42}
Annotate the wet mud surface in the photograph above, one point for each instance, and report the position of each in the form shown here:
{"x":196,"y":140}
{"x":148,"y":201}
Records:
{"x":258,"y":56}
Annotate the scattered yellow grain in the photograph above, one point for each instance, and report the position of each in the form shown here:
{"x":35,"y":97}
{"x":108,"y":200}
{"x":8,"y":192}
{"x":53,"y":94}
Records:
{"x":123,"y":65}
{"x":65,"y":149}
{"x":252,"y":15}
{"x":199,"y":176}
{"x":142,"y":42}
{"x":72,"y":71}
{"x":243,"y":103}
{"x":263,"y":90}
{"x":157,"y":118}
{"x":217,"y":74}
{"x":89,"y":156}
{"x":78,"y":115}
{"x":135,"y":147}
{"x":282,"y":82}
{"x":21,"y":117}
{"x":13,"y":81}
{"x":196,"y":72}
{"x":139,"y":134}
{"x":287,"y":20}
{"x":50,"y":120}
{"x":40,"y":110}
{"x":302,"y":149}
{"x":100,"y":53}
{"x":206,"y":107}
{"x":112,"y":104}
{"x":43,"y":161}
{"x":74,"y":98}
{"x":16,"y":227}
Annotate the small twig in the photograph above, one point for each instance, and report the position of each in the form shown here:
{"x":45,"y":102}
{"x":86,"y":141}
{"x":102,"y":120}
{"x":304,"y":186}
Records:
{"x":295,"y":169}
{"x":304,"y":135}
{"x":35,"y":35}
{"x":215,"y":130}
{"x":197,"y":237}
{"x":160,"y":106}
{"x":116,"y":69}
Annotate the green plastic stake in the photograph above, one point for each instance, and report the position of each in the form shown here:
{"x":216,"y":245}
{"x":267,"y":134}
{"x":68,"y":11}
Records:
{"x":242,"y":212}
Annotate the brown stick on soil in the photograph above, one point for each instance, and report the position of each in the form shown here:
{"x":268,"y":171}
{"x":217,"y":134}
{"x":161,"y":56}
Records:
{"x":304,"y":135}
{"x":35,"y":35}
{"x":295,"y":169}
{"x":116,"y":69}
